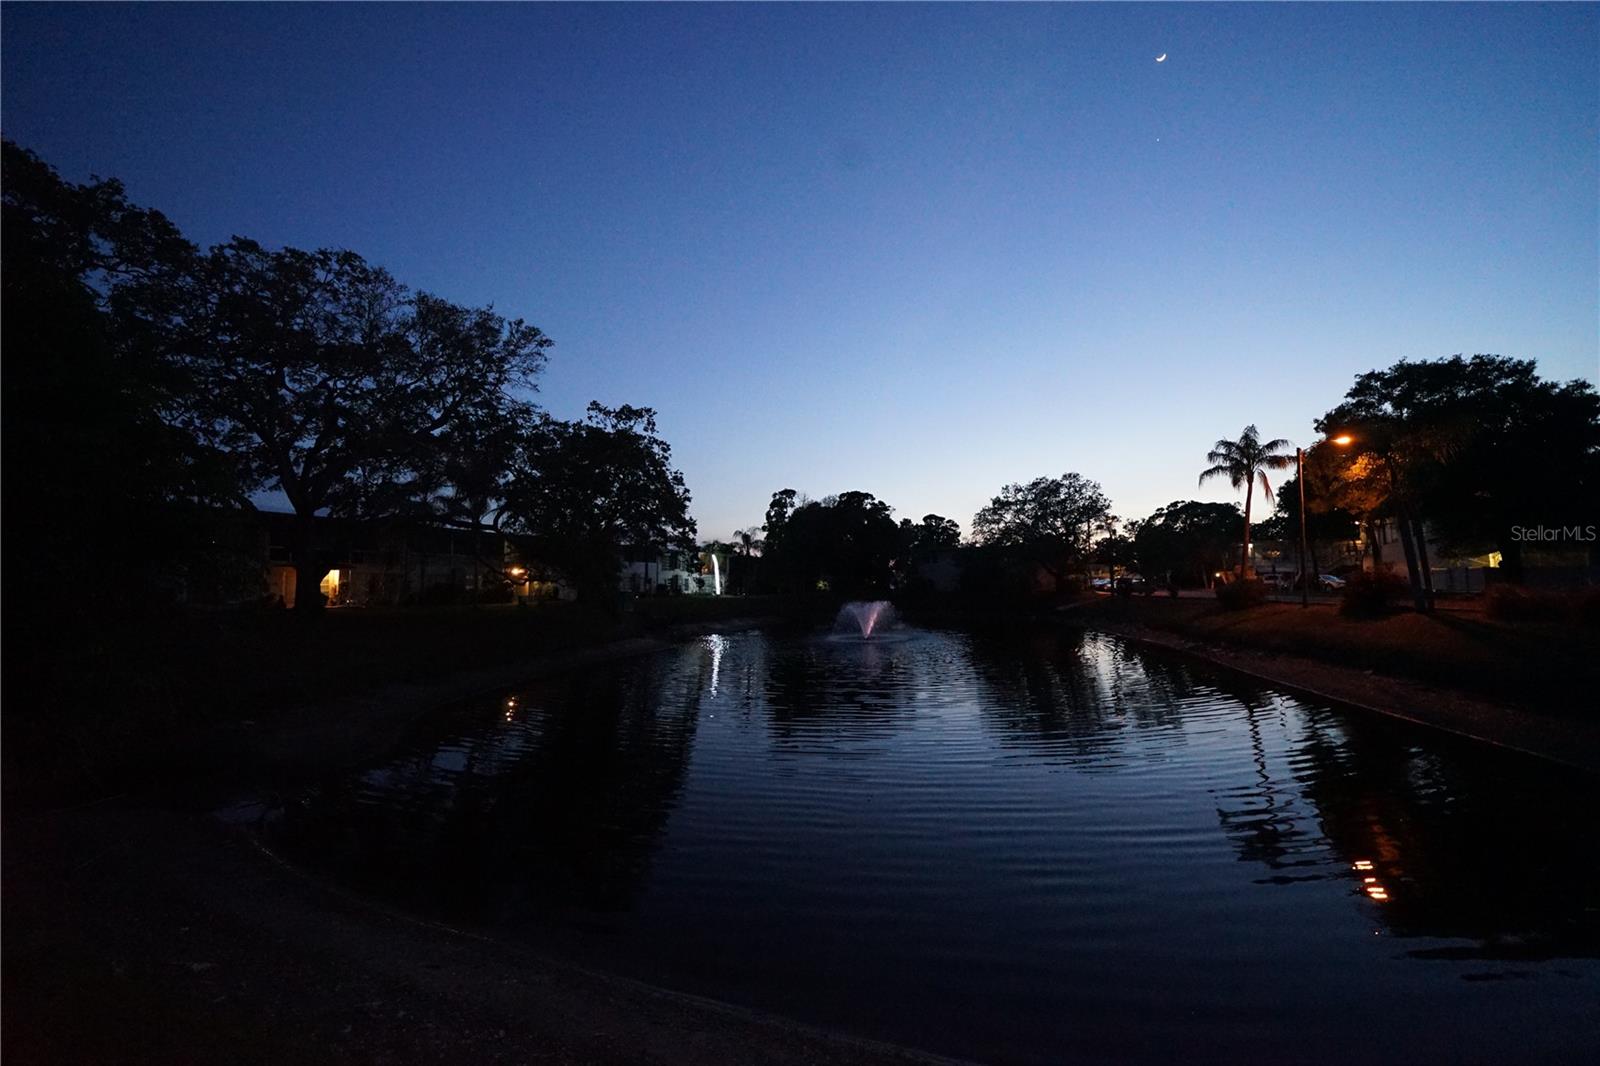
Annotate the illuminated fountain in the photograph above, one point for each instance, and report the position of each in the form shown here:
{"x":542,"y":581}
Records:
{"x":865,"y":617}
{"x":716,"y":574}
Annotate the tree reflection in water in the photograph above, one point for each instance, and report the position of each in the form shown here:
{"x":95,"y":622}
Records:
{"x":1427,"y":845}
{"x":1002,"y":845}
{"x":1075,"y":698}
{"x":1414,"y":822}
{"x":532,"y":810}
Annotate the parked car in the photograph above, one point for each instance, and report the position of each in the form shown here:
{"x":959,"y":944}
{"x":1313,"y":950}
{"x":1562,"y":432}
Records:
{"x":1321,"y":583}
{"x":1134,"y":583}
{"x":1100,"y":584}
{"x":1276,"y":581}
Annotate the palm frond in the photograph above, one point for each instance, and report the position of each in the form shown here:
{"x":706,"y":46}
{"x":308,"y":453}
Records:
{"x":1246,"y":460}
{"x":1226,"y":451}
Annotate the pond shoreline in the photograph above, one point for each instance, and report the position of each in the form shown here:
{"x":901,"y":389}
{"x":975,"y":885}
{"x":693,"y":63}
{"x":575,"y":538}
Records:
{"x":184,"y":939}
{"x":314,"y":741}
{"x":1565,"y":741}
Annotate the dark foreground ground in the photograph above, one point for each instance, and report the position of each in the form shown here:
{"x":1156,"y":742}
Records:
{"x":137,"y":935}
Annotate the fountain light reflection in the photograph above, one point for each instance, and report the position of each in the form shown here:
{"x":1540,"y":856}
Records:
{"x":718,"y":644}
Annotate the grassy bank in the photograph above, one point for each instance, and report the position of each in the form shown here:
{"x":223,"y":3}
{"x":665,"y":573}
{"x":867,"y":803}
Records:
{"x":1549,"y":667}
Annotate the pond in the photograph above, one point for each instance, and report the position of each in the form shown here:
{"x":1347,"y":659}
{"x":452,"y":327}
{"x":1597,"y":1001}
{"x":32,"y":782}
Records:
{"x":1014,"y":848}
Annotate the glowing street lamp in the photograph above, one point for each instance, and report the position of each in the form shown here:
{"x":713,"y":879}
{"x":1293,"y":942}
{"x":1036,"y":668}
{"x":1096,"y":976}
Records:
{"x":1300,"y":476}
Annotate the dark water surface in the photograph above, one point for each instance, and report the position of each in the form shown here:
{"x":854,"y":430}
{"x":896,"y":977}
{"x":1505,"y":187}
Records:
{"x":1015,"y":849}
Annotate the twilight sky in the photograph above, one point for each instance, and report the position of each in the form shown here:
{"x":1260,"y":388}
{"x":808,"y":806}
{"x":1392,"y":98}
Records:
{"x":916,"y":250}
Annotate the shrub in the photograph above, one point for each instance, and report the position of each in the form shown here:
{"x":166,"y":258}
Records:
{"x":439,"y":595}
{"x":1589,"y":608}
{"x":1516,"y":603}
{"x":1372,"y":594}
{"x":1237,"y":595}
{"x":1513,"y":603}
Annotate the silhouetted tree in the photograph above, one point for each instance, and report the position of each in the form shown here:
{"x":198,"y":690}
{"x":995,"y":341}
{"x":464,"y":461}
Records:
{"x":1115,"y":547}
{"x":747,"y":542}
{"x":94,"y":476}
{"x":1187,"y":538}
{"x":1351,"y":483}
{"x":1050,"y":521}
{"x":1479,"y":445}
{"x":935,"y":532}
{"x":1245,"y":462}
{"x":325,"y":378}
{"x":774,"y":563}
{"x":849,"y":541}
{"x":747,"y":550}
{"x":585,"y":491}
{"x":778,"y":511}
{"x":1325,"y":522}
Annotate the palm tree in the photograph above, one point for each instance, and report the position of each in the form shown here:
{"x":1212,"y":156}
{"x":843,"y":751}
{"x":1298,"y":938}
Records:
{"x":747,"y":539}
{"x":1244,"y":462}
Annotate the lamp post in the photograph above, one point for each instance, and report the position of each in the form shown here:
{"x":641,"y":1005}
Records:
{"x":1300,"y":479}
{"x":1300,"y":476}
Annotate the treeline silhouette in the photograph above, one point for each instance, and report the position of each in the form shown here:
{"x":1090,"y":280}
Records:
{"x":1479,"y":448}
{"x":1474,"y":455}
{"x":152,"y":387}
{"x":850,"y":545}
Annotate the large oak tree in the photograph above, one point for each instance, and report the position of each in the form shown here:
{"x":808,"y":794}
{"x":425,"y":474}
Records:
{"x":1481,"y":447}
{"x":96,"y":479}
{"x":1050,"y":520}
{"x":583,"y":492}
{"x":327,"y":379}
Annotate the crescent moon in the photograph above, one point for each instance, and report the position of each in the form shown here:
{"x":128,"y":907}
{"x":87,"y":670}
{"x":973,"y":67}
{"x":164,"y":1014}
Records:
{"x":1162,"y":58}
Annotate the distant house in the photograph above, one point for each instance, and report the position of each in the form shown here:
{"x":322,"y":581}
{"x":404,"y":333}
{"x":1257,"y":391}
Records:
{"x":1456,"y":571}
{"x":1451,"y":571}
{"x":665,"y":572}
{"x":1269,"y":556}
{"x":385,"y":563}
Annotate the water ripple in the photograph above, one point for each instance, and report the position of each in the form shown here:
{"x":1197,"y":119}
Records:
{"x":1014,"y":849}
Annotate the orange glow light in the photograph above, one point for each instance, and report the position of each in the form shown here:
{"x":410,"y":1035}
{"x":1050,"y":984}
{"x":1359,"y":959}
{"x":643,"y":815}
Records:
{"x":1363,"y":864}
{"x":1344,"y":438}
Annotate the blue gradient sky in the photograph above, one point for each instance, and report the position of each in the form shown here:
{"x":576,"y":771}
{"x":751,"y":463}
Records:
{"x":916,"y":250}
